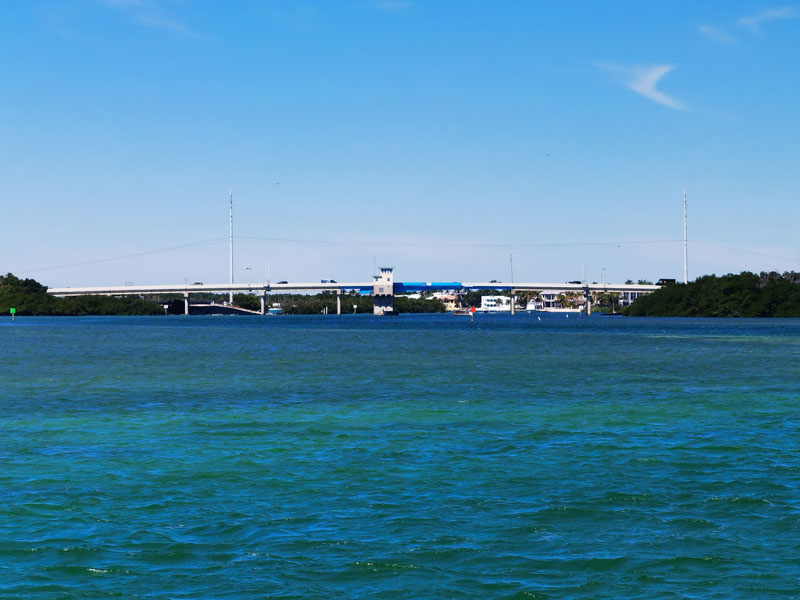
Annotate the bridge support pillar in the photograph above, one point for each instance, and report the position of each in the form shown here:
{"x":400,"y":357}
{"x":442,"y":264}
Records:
{"x":263,"y":304}
{"x":338,"y":304}
{"x":513,"y":302}
{"x":186,"y":304}
{"x":588,"y":303}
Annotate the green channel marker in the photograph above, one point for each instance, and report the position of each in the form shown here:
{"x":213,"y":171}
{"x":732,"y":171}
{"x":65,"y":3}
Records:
{"x":13,"y":311}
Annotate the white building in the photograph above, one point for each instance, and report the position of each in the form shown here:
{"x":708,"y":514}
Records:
{"x":549,"y":301}
{"x":495,"y":304}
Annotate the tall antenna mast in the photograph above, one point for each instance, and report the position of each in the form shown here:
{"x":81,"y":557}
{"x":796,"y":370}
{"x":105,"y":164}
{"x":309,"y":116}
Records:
{"x":230,"y":273}
{"x":685,"y":243}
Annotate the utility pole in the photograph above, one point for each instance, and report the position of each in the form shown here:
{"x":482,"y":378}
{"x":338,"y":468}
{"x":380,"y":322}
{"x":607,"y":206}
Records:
{"x":685,"y":242}
{"x":513,"y":291}
{"x":230,"y":273}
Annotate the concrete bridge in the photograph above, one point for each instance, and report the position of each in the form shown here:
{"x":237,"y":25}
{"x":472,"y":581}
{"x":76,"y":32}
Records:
{"x":383,"y":289}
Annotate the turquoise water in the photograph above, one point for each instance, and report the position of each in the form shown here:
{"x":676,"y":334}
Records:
{"x":408,"y":457}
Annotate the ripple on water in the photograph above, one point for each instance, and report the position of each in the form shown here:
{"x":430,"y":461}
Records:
{"x":241,"y":458}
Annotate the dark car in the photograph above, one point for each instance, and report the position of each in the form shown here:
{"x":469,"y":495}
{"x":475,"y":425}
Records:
{"x":280,"y":282}
{"x":575,"y":282}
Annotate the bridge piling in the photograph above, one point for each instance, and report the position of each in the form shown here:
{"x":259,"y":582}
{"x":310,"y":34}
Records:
{"x":186,"y":304}
{"x":263,"y":304}
{"x":338,"y":304}
{"x":513,"y":302}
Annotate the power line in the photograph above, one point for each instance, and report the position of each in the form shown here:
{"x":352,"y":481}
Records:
{"x":747,"y":251}
{"x":450,"y":244}
{"x":344,"y":243}
{"x":122,"y":257}
{"x":402,"y":245}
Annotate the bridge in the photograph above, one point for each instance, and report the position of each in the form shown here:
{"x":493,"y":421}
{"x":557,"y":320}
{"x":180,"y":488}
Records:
{"x":382,"y":287}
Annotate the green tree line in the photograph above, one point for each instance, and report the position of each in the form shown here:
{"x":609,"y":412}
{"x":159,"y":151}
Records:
{"x":29,"y":298}
{"x":300,"y":304}
{"x":744,"y":295}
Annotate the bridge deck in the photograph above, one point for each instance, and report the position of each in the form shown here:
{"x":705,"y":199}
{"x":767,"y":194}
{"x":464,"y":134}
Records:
{"x":399,"y":288}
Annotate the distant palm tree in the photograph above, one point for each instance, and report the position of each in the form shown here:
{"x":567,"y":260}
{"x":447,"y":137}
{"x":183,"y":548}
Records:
{"x":569,"y":299}
{"x":524,"y":297}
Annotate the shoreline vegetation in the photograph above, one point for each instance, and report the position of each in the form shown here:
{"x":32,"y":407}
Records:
{"x":768,"y":294}
{"x":352,"y":302}
{"x":29,"y":298}
{"x":744,"y":295}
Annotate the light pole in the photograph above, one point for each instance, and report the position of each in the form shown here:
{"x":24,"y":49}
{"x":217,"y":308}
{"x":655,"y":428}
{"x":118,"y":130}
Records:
{"x":685,"y":243}
{"x":230,"y":271}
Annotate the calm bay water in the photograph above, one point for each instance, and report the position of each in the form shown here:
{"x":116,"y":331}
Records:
{"x":416,"y":456}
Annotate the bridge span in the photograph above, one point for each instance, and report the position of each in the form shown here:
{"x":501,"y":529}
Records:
{"x":383,"y":288}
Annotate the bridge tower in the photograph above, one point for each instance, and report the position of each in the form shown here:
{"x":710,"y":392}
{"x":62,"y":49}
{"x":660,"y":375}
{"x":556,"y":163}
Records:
{"x":383,"y":292}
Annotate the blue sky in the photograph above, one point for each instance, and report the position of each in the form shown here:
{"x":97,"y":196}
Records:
{"x":437,"y":137}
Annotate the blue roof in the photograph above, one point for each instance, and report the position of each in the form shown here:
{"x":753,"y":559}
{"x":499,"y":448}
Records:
{"x":422,"y":286}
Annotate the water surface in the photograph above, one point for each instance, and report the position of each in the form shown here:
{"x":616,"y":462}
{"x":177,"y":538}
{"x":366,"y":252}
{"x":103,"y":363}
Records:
{"x":416,"y":456}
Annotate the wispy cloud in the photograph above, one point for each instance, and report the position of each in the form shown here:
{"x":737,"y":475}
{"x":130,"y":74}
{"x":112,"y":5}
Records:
{"x":154,"y":14}
{"x":292,"y":15}
{"x":716,"y":34}
{"x":755,"y":22}
{"x":392,"y":5}
{"x":161,"y":21}
{"x":643,"y":80}
{"x":123,"y":3}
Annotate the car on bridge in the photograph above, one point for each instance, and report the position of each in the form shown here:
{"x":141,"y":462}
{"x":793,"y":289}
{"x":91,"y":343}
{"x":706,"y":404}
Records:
{"x":282,"y":282}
